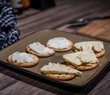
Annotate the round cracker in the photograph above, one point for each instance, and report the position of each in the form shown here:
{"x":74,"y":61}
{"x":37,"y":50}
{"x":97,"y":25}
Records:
{"x":64,"y":49}
{"x":87,"y":67}
{"x":100,"y":54}
{"x":84,"y":67}
{"x":62,"y":77}
{"x":29,"y":64}
{"x":39,"y":54}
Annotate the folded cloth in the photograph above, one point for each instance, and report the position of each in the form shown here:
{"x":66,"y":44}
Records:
{"x":9,"y":33}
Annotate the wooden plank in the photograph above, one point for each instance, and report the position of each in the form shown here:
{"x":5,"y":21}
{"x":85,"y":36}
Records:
{"x":42,"y":14}
{"x":99,"y":29}
{"x":6,"y":81}
{"x":55,"y":20}
{"x":21,"y":88}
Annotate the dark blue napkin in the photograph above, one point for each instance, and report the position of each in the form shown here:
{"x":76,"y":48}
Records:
{"x":9,"y":33}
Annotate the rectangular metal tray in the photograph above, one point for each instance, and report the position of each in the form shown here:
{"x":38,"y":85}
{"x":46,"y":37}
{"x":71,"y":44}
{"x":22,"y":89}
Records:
{"x":43,"y":36}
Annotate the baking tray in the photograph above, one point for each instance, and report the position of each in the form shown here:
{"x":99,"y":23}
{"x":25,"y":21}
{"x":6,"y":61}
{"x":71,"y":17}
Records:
{"x":43,"y":36}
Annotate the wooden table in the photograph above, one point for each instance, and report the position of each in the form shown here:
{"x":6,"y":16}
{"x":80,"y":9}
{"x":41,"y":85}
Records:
{"x":12,"y":83}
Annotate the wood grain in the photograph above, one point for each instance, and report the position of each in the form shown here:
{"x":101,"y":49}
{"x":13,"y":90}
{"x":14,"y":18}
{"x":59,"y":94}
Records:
{"x":98,"y":28}
{"x":55,"y":17}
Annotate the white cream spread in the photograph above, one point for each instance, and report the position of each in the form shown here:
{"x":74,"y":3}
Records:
{"x":39,"y":48}
{"x":59,"y":69}
{"x":58,"y":42}
{"x":23,"y":57}
{"x":82,"y":57}
{"x":90,"y":45}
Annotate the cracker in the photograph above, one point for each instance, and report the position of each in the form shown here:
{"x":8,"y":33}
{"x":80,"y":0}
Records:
{"x":29,"y":64}
{"x":39,"y":54}
{"x":100,"y":54}
{"x":62,"y":77}
{"x":87,"y":67}
{"x":84,"y":67}
{"x":83,"y":60}
{"x":70,"y":46}
{"x":60,"y":71}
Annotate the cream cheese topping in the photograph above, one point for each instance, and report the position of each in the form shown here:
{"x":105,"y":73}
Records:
{"x":39,"y":48}
{"x":82,"y":57}
{"x":58,"y":42}
{"x":90,"y":45}
{"x":23,"y":57}
{"x":59,"y":69}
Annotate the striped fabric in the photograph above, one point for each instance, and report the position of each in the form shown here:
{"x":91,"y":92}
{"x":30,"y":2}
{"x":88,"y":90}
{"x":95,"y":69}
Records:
{"x":9,"y":33}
